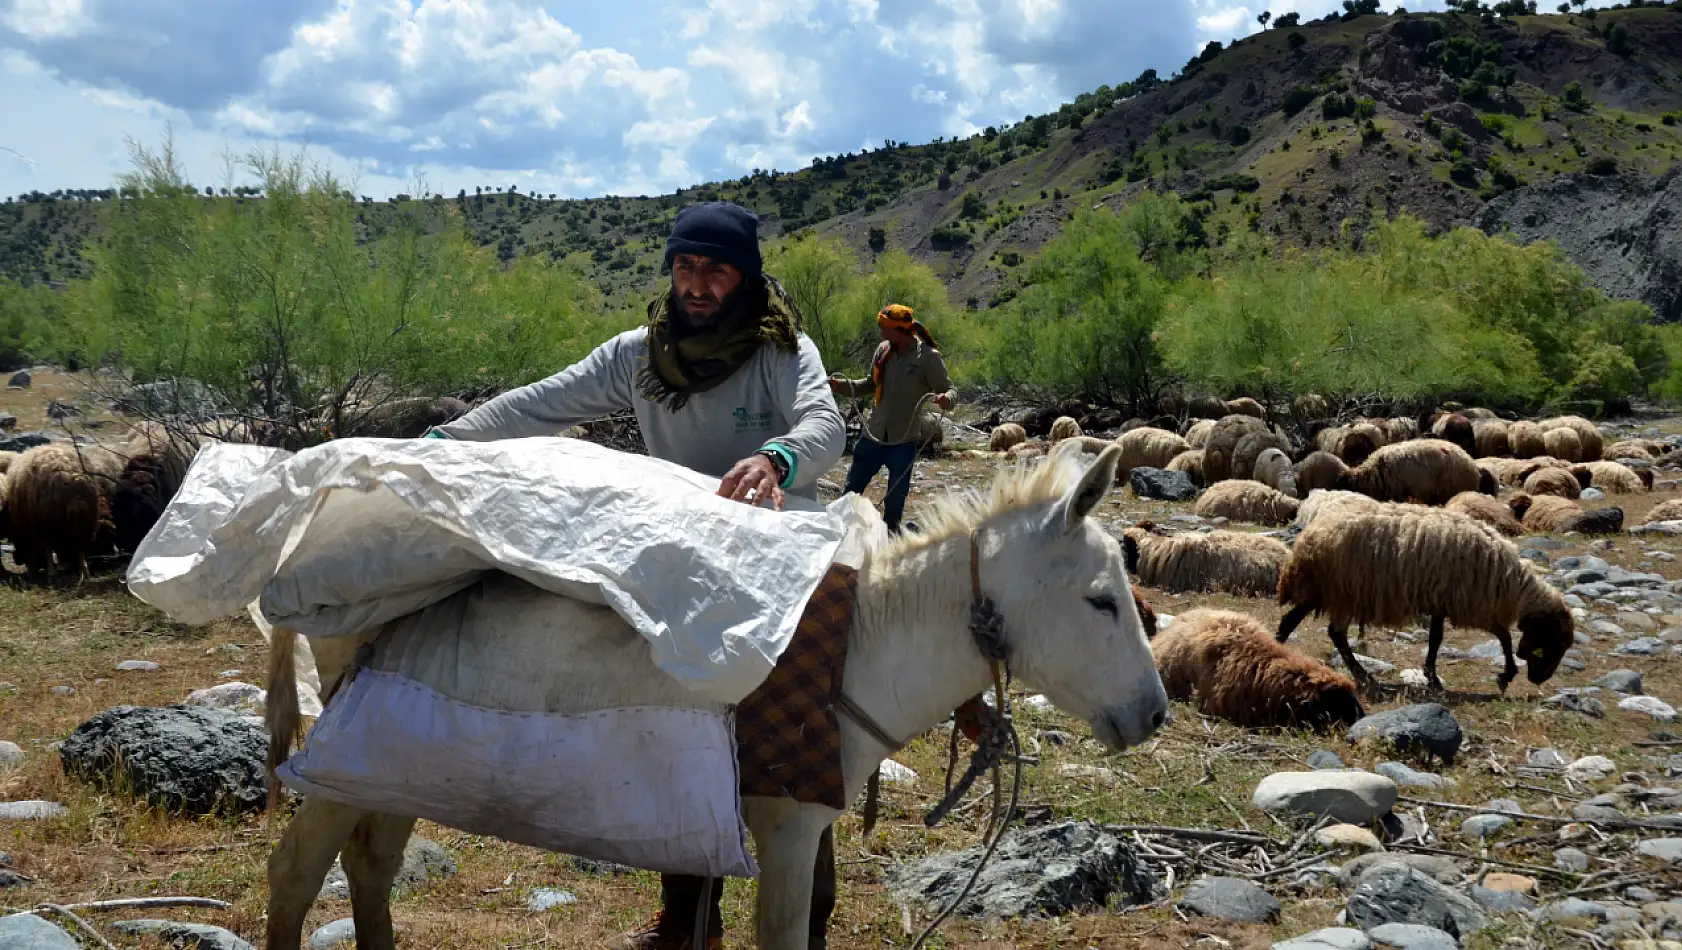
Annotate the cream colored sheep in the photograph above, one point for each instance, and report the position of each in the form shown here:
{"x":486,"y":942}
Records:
{"x":1563,"y":443}
{"x":1064,"y":428}
{"x":1666,"y":511}
{"x":1197,"y":434}
{"x":1321,"y":503}
{"x":1400,"y":429}
{"x":1006,"y":437}
{"x":1229,"y":561}
{"x":6,"y":460}
{"x":1643,"y":450}
{"x":1551,"y":514}
{"x":1430,"y":471}
{"x":1491,"y":511}
{"x":1588,"y":437}
{"x":1478,"y":414}
{"x":1247,"y":501}
{"x":1273,"y":469}
{"x":1558,"y":482}
{"x":1525,"y":440}
{"x":57,"y":501}
{"x":1615,"y":479}
{"x":1147,"y":447}
{"x":1311,"y":407}
{"x":1245,"y":406}
{"x":1319,"y":471}
{"x":1490,"y":436}
{"x":1190,"y":462}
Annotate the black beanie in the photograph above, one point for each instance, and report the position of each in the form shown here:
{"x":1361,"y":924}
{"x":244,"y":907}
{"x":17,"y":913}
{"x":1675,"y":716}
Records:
{"x":721,"y":231}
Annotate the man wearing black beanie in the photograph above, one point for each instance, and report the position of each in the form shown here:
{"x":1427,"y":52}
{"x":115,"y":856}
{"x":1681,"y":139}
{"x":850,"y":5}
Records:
{"x":722,"y":381}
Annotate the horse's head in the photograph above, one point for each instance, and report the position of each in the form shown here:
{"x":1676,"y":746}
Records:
{"x":1059,"y":581}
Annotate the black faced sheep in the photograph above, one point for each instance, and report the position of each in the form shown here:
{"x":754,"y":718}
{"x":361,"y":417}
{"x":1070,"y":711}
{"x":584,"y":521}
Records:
{"x":1389,"y":567}
{"x":1230,"y":561}
{"x":1430,"y":471}
{"x":1588,"y":437}
{"x":1246,"y":501}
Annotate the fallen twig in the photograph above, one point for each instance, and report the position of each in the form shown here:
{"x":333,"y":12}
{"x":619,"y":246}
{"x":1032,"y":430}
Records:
{"x":1533,"y":868}
{"x":131,"y":903}
{"x":1196,"y":834}
{"x":1287,"y":869}
{"x":65,"y":912}
{"x":1550,"y":819}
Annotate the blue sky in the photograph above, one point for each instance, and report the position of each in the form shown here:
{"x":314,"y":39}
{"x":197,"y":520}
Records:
{"x":567,"y":96}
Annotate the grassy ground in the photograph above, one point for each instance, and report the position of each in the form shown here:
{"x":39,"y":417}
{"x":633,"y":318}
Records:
{"x":1197,"y":772}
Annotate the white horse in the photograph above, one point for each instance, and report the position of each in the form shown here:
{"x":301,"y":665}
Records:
{"x":1056,"y":579}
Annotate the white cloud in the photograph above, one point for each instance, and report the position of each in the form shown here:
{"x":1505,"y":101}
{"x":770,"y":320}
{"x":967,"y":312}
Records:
{"x":44,"y":19}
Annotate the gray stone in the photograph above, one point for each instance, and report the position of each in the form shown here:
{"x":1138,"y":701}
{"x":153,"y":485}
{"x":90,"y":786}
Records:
{"x":1423,"y":728}
{"x":1571,"y":859}
{"x":1332,"y":938}
{"x":1607,"y":628}
{"x":1501,"y":902}
{"x":1546,"y":759}
{"x":1645,"y":646}
{"x":1576,"y":907}
{"x":1482,"y":826}
{"x":423,"y":862}
{"x":1621,"y":681}
{"x":335,"y":934}
{"x":543,"y":898}
{"x":60,"y":690}
{"x":1636,"y":894}
{"x":1436,"y":867}
{"x":1487,"y":650}
{"x":1596,"y":811}
{"x":1324,"y":760}
{"x":1352,"y":796}
{"x":241,"y":697}
{"x":1412,"y":937}
{"x":1231,"y":898}
{"x":1395,"y":893}
{"x":1593,"y":494}
{"x":1045,"y":871}
{"x":598,"y":868}
{"x":189,"y":759}
{"x":24,"y":441}
{"x":1411,"y":778}
{"x":29,"y":932}
{"x":1650,"y":706}
{"x":1162,"y":485}
{"x":184,"y":936}
{"x":33,"y":810}
{"x":136,"y":666}
{"x":19,"y":380}
{"x":11,"y":756}
{"x":1502,"y":806}
{"x":1668,"y":850}
{"x":1577,"y":703}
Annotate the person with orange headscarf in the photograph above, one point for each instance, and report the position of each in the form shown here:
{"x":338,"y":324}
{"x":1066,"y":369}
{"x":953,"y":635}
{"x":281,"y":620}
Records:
{"x":907,"y":373}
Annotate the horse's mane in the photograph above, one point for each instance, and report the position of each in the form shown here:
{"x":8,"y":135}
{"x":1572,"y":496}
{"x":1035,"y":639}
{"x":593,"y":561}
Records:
{"x":961,"y":512}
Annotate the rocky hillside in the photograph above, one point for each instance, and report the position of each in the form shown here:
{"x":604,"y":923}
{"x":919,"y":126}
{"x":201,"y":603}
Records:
{"x":1456,"y":118}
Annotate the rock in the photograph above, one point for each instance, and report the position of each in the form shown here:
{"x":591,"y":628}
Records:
{"x":1638,"y":621}
{"x":1650,"y":705}
{"x":1576,"y":702}
{"x":1045,"y":871}
{"x":1597,"y":810}
{"x":1412,"y":937}
{"x":897,"y":774}
{"x":1593,"y":494}
{"x":189,"y":759}
{"x":1645,"y":646}
{"x":24,"y":441}
{"x":64,"y":690}
{"x":19,"y":380}
{"x":543,"y":898}
{"x":1636,"y":894}
{"x":1396,"y":893}
{"x":1332,"y":938}
{"x":1415,"y":678}
{"x":1571,"y":859}
{"x":1096,"y":774}
{"x":1353,"y":837}
{"x":1368,"y":663}
{"x":1668,"y":850}
{"x":1039,"y":703}
{"x":335,"y":934}
{"x":8,"y":422}
{"x":1409,"y":778}
{"x":29,"y":932}
{"x":1324,"y":760}
{"x":1546,"y":759}
{"x":423,"y":862}
{"x":1353,"y":796}
{"x":1487,"y":650}
{"x":1576,"y":907}
{"x":1501,"y":902}
{"x":1231,"y":898}
{"x":33,"y":810}
{"x":598,"y":868}
{"x":1627,"y":682}
{"x":1592,"y":768}
{"x":1482,"y":826}
{"x":241,"y":697}
{"x":184,"y":936}
{"x":136,"y":666}
{"x":1162,"y":485}
{"x":11,"y":756}
{"x":1437,"y":868}
{"x":1426,"y":727}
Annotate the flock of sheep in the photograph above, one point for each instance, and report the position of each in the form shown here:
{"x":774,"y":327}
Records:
{"x":1394,"y":520}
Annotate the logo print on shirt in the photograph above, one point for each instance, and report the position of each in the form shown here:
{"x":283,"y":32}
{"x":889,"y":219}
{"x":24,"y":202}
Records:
{"x":751,"y":421}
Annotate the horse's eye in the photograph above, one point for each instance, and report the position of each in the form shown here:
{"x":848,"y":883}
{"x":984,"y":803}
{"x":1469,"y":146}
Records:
{"x":1104,"y":603}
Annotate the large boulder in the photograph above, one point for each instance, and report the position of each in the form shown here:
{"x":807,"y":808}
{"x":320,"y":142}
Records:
{"x":1427,"y":728}
{"x":1352,"y":796}
{"x":190,"y":759}
{"x":1161,"y":484}
{"x":1390,"y":893}
{"x":29,"y":932}
{"x":19,"y":380}
{"x":1044,"y":871}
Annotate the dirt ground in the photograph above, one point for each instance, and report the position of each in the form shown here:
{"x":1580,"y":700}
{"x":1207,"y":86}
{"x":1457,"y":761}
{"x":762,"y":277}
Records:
{"x":1196,"y":772}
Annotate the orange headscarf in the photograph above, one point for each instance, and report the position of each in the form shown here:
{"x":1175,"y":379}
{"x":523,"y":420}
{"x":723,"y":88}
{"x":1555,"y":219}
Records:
{"x":896,"y":316}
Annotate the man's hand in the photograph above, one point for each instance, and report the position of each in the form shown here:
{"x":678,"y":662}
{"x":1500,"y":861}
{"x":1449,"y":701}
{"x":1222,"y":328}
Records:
{"x":752,"y":480}
{"x":839,"y":385}
{"x":944,"y":401}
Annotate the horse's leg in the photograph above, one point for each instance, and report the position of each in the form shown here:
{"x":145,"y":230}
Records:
{"x":1288,"y":625}
{"x":785,"y":835}
{"x":372,"y":857}
{"x":299,"y":863}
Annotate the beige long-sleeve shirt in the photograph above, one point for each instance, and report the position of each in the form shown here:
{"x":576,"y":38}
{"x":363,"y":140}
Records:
{"x":910,"y":374}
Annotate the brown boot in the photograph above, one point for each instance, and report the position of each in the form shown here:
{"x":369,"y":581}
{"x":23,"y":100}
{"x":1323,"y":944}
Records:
{"x":664,"y":932}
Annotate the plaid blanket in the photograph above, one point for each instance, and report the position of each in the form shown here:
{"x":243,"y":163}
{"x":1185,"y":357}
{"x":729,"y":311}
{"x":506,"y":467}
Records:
{"x":788,"y":736}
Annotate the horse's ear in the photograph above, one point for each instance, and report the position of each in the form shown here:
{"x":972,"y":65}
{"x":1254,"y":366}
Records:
{"x":1091,"y":489}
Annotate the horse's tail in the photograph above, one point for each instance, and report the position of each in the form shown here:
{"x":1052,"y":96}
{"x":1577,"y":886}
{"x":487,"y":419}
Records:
{"x":280,"y":707}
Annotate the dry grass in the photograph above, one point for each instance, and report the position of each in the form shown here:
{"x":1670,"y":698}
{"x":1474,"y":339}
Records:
{"x":1197,"y":772}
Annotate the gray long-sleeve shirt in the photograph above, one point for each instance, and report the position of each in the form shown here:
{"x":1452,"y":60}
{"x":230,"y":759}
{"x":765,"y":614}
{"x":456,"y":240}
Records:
{"x":777,"y":397}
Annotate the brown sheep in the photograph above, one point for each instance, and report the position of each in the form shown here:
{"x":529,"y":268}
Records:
{"x":1206,"y":407}
{"x":1319,"y":471}
{"x":1147,"y":616}
{"x":1092,"y":445}
{"x":1563,"y":444}
{"x":1490,"y":436}
{"x":1554,"y":481}
{"x":1387,"y":568}
{"x":1222,"y":447}
{"x":1588,"y":437}
{"x":5,"y":519}
{"x":1550,"y":514}
{"x":1321,"y":503}
{"x":1642,"y":450}
{"x":1615,"y":479}
{"x":1428,"y":470}
{"x":1399,"y":429}
{"x":1311,"y":407}
{"x":1064,"y":428}
{"x":1456,"y":429}
{"x":1197,"y":434}
{"x":1352,"y":444}
{"x":1246,"y":501}
{"x":1190,"y":462}
{"x":1227,"y":663}
{"x":1273,"y":469}
{"x":1230,"y":561}
{"x":1526,"y":440}
{"x":1491,"y":511}
{"x":1147,"y":447}
{"x":1515,"y":471}
{"x":1245,"y":406}
{"x":57,"y":501}
{"x":407,"y":418}
{"x":1006,"y":437}
{"x":1251,"y":447}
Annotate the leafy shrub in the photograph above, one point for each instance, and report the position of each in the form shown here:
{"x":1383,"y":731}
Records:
{"x":1337,"y":106}
{"x":1238,"y":135}
{"x":948,"y":237}
{"x":1297,"y":99}
{"x":1572,"y":96}
{"x":1296,"y":40}
{"x":1603,"y":165}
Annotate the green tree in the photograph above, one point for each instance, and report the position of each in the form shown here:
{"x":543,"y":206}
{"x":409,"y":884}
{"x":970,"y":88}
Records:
{"x":819,"y":273}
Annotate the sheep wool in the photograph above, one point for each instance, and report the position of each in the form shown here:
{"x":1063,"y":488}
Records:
{"x":1321,"y":503}
{"x":1666,"y":511}
{"x":1525,"y":439}
{"x":1318,"y":472}
{"x":6,"y":460}
{"x":1588,"y":436}
{"x":1207,"y":407}
{"x":1400,"y":429}
{"x":1490,"y":436}
{"x":1246,"y":501}
{"x":1457,"y":429}
{"x":1006,"y":437}
{"x":1614,"y":479}
{"x":1222,"y":447}
{"x":1064,"y":428}
{"x":1190,"y":462}
{"x":1273,"y":469}
{"x":1637,"y":449}
{"x":1430,"y":471}
{"x":57,"y":503}
{"x":1311,"y":407}
{"x":1551,"y":514}
{"x":1147,"y":447}
{"x":1563,"y":444}
{"x":1229,"y":664}
{"x":1230,"y":561}
{"x":1245,"y":406}
{"x":1197,"y":434}
{"x":1491,"y":511}
{"x":1477,"y":415}
{"x":1251,"y":447}
{"x":5,"y":518}
{"x":1553,"y":481}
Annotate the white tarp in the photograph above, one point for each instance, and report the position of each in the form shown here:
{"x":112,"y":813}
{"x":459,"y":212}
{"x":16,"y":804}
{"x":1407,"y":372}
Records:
{"x":346,"y":535}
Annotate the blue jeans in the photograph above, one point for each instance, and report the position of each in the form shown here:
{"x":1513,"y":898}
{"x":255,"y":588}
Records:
{"x":869,"y":457}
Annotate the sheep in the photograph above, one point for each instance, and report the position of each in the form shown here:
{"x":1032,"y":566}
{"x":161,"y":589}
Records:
{"x":156,"y":466}
{"x":1197,"y":434}
{"x":1228,"y":664}
{"x":1430,"y":470}
{"x":1092,"y":445}
{"x":1456,"y":429}
{"x":57,"y":501}
{"x":5,"y":519}
{"x":1273,"y":469}
{"x":1006,"y":437}
{"x":1515,"y":471}
{"x":1064,"y":428}
{"x":1147,"y":616}
{"x":1615,"y":479}
{"x":1325,"y":502}
{"x":1564,"y":444}
{"x":1247,"y":501}
{"x":1643,"y":450}
{"x":1311,"y":407}
{"x":1550,"y":514}
{"x":1400,"y":429}
{"x":1525,"y":440}
{"x":1477,"y":415}
{"x":1190,"y":462}
{"x":1389,"y":567}
{"x":1251,"y":447}
{"x":407,"y":418}
{"x":1558,"y":482}
{"x":1588,"y":436}
{"x":1219,"y":452}
{"x":1493,"y":512}
{"x":1207,"y":407}
{"x":1319,"y":471}
{"x":1147,"y":448}
{"x":1231,"y":561}
{"x":1490,"y":437}
{"x":1351,"y":444}
{"x":1666,"y":511}
{"x":6,"y":460}
{"x":1245,"y":406}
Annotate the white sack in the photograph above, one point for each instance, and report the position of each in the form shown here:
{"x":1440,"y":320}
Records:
{"x":338,"y":538}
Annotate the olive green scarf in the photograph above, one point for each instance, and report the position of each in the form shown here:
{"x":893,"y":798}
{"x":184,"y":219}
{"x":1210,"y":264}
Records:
{"x":684,"y":360}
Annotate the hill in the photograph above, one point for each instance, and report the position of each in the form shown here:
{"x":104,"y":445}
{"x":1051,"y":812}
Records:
{"x":1301,"y":133}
